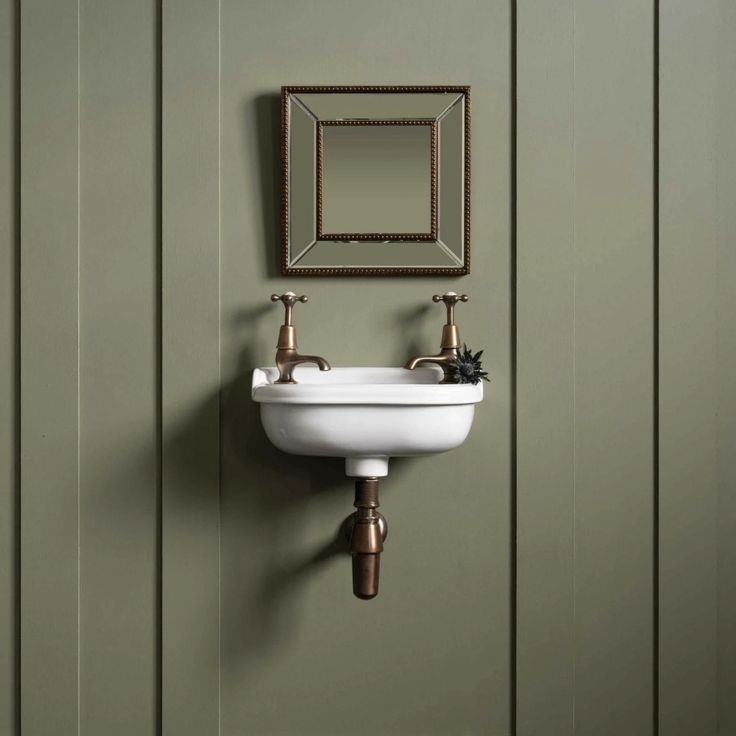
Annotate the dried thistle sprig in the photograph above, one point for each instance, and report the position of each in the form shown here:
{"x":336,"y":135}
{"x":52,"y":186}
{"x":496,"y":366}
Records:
{"x":466,"y":368}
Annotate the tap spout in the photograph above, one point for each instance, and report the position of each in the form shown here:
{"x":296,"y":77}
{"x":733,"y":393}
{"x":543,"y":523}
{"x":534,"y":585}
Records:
{"x":288,"y":358}
{"x":440,"y":359}
{"x":321,"y":362}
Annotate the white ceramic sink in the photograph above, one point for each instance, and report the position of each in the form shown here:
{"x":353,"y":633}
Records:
{"x":365,"y":415}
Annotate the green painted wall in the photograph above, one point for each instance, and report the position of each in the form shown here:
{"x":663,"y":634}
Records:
{"x":163,"y":569}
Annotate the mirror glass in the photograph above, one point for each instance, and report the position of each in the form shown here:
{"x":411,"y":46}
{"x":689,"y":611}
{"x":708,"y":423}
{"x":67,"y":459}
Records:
{"x":376,"y":180}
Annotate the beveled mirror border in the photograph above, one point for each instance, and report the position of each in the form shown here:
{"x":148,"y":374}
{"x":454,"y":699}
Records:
{"x":373,"y":237}
{"x":287,"y":270}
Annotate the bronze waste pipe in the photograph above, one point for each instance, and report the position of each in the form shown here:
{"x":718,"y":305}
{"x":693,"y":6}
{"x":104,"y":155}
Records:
{"x":367,"y":531}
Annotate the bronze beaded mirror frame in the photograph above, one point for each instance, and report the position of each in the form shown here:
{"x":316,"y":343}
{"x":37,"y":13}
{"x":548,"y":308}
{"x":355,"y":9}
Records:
{"x":375,"y":180}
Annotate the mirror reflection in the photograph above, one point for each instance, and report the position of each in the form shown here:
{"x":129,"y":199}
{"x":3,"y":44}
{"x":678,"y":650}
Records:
{"x":376,"y":179}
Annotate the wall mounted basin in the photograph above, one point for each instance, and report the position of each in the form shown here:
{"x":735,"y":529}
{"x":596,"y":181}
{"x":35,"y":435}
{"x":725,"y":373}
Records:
{"x":365,"y":415}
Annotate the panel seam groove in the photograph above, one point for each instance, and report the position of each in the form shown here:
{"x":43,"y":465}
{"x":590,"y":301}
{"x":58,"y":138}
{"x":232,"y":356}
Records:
{"x":159,"y":577}
{"x":655,"y":372}
{"x":513,"y":598}
{"x":573,"y":704}
{"x":219,"y":367}
{"x":17,"y":369}
{"x":79,"y":377}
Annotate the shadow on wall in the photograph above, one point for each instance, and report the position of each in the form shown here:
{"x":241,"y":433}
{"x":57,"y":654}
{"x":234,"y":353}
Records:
{"x":265,"y":497}
{"x":268,"y":497}
{"x":410,"y":323}
{"x":266,"y":111}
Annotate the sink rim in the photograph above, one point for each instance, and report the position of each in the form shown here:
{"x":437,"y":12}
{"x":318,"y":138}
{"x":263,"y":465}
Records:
{"x":398,"y":393}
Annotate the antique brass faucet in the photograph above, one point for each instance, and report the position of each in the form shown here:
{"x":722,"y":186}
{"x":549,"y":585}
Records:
{"x":287,"y":355}
{"x":450,"y":345}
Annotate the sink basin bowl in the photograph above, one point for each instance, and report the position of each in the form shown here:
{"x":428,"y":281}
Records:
{"x":365,"y":415}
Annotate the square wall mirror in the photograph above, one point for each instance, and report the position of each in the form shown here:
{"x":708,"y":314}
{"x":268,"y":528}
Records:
{"x":376,"y":181}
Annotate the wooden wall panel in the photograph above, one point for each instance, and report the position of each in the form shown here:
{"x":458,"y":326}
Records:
{"x":190,"y":368}
{"x":614,"y":368}
{"x":688,"y":386}
{"x":725,"y":233}
{"x":595,"y":146}
{"x":545,"y":366}
{"x":300,"y":654}
{"x":118,"y":367}
{"x":697,"y":364}
{"x":49,"y":367}
{"x":9,"y":227}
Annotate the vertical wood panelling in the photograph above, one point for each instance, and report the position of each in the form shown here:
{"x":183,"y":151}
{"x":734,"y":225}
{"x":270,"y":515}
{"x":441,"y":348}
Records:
{"x":688,"y":408}
{"x":190,"y":367}
{"x":545,"y":369}
{"x":118,"y":368}
{"x":725,"y":172}
{"x":49,"y":367}
{"x":96,"y":295}
{"x":8,"y":365}
{"x":613,"y":354}
{"x":586,"y":335}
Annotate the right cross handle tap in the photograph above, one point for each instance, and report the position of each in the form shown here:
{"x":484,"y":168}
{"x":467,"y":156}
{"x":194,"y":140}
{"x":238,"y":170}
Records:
{"x":450,"y":344}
